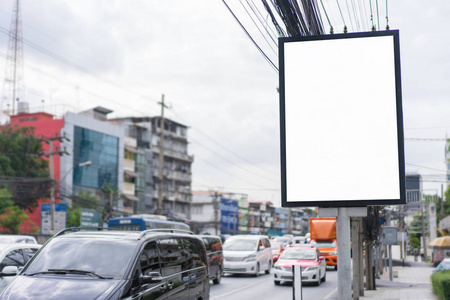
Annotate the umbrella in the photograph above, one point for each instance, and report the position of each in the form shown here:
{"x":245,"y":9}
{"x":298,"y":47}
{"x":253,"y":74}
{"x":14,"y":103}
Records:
{"x":440,"y":242}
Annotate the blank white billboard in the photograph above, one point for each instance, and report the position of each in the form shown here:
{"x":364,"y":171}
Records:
{"x":341,"y":120}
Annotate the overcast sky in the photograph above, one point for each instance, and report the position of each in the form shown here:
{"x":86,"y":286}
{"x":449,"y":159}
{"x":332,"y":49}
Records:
{"x":124,"y":55}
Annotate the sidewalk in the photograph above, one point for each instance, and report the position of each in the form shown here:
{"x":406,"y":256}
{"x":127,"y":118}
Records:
{"x":412,"y":282}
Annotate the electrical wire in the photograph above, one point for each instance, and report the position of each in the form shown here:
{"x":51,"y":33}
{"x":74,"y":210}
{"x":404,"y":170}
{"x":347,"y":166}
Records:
{"x":342,"y":16}
{"x":71,"y":64}
{"x":253,"y":41}
{"x":257,"y":27}
{"x":328,"y":19}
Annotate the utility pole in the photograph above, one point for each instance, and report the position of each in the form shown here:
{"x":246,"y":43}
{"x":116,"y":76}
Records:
{"x":161,"y":157}
{"x":424,"y":241}
{"x":442,"y":201}
{"x":216,"y":211}
{"x":52,"y":174}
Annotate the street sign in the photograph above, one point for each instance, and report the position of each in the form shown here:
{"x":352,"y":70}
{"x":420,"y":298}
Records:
{"x":90,"y":218}
{"x":46,"y":218}
{"x":389,"y":235}
{"x":229,"y":210}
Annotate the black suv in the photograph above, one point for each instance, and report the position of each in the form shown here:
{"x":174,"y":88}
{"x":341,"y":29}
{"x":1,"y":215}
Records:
{"x":213,"y":245}
{"x":82,"y":264}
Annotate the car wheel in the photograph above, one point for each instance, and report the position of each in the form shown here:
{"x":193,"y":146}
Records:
{"x":257,"y":270}
{"x":335,"y":267}
{"x":270,"y":266}
{"x":318,"y":280}
{"x":324,"y":277}
{"x":276,"y":282}
{"x":218,"y":277}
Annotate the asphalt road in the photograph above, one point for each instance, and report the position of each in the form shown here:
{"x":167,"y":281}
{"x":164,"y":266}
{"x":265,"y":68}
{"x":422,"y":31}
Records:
{"x":236,"y":287}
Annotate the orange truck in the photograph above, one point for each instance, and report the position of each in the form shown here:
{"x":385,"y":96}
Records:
{"x":323,"y":237}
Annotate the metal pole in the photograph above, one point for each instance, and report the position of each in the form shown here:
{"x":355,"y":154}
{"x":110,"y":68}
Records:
{"x":343,"y":241}
{"x":389,"y":247}
{"x":161,"y":158}
{"x":423,"y":230}
{"x":355,"y":257}
{"x":361,"y":258}
{"x":52,"y":187}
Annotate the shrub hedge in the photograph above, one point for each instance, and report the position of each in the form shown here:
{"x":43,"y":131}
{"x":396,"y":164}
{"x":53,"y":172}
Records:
{"x":441,"y":284}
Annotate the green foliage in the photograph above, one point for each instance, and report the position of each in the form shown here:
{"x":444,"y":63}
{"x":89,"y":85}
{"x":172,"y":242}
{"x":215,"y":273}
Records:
{"x":414,"y":241}
{"x":73,"y":216}
{"x":11,"y":216}
{"x":441,"y":284}
{"x":19,"y":151}
{"x":83,"y":200}
{"x":21,"y":164}
{"x":5,"y":200}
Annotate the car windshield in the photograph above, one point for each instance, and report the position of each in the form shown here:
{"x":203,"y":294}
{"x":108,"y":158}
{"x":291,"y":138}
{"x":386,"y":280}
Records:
{"x":105,"y":257}
{"x":298,"y":254}
{"x":324,"y":244}
{"x":239,"y":245}
{"x":285,"y":240}
{"x":275,"y":246}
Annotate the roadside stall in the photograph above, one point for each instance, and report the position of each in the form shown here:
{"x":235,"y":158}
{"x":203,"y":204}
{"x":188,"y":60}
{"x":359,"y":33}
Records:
{"x":440,"y":246}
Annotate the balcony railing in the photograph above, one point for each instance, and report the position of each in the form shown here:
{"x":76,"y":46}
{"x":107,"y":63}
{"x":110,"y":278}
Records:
{"x":128,"y":188}
{"x":174,"y":154}
{"x":128,"y":164}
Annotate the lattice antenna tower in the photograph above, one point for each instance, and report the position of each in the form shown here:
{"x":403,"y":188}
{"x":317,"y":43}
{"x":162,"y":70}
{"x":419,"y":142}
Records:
{"x":13,"y":86}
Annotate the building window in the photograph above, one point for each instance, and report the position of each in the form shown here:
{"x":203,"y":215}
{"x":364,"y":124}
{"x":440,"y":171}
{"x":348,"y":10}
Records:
{"x":103,"y":152}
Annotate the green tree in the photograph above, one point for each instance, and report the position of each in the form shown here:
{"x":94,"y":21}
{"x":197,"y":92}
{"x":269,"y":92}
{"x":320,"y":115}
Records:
{"x":19,"y":153}
{"x":11,"y":216}
{"x":414,"y":241}
{"x":21,"y":168}
{"x":73,"y":216}
{"x":83,"y":200}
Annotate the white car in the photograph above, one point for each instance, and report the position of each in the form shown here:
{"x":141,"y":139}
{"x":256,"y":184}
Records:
{"x":10,"y":238}
{"x":308,"y":257}
{"x":14,"y":256}
{"x":247,"y":254}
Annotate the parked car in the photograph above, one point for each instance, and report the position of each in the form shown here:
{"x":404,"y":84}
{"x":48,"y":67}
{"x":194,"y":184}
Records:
{"x":213,"y":245}
{"x":313,"y":265}
{"x":6,"y":238}
{"x":277,"y":249}
{"x":102,"y":264}
{"x":286,"y":241}
{"x":13,"y":256}
{"x":247,"y":254}
{"x":308,"y":237}
{"x":299,"y":240}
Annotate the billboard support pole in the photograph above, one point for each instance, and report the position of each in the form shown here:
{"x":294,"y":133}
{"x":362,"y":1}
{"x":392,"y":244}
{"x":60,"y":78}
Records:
{"x":344,"y":260}
{"x":343,"y":215}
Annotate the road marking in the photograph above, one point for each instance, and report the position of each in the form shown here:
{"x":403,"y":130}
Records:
{"x":238,"y":290}
{"x":331,"y":293}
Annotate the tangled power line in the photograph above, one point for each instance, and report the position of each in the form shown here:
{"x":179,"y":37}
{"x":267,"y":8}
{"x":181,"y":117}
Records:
{"x":271,"y":19}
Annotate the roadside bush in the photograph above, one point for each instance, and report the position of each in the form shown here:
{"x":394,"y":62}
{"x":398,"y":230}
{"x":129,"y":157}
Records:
{"x":441,"y":284}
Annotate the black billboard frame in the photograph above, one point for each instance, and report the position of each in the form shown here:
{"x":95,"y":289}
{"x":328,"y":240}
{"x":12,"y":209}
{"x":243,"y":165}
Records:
{"x":401,"y":200}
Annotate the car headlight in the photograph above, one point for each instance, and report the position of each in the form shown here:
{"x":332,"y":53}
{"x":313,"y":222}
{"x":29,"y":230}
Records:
{"x":333,"y":253}
{"x":250,"y":258}
{"x":311,"y":269}
{"x":277,"y":267}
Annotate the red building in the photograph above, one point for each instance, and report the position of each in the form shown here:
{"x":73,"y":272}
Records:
{"x":45,"y":126}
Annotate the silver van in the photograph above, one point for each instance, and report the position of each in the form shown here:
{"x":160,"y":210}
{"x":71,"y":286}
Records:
{"x":247,"y":254}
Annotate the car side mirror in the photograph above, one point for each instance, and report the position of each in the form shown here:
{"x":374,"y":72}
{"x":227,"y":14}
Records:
{"x":10,"y":271}
{"x":321,"y":258}
{"x":152,"y":277}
